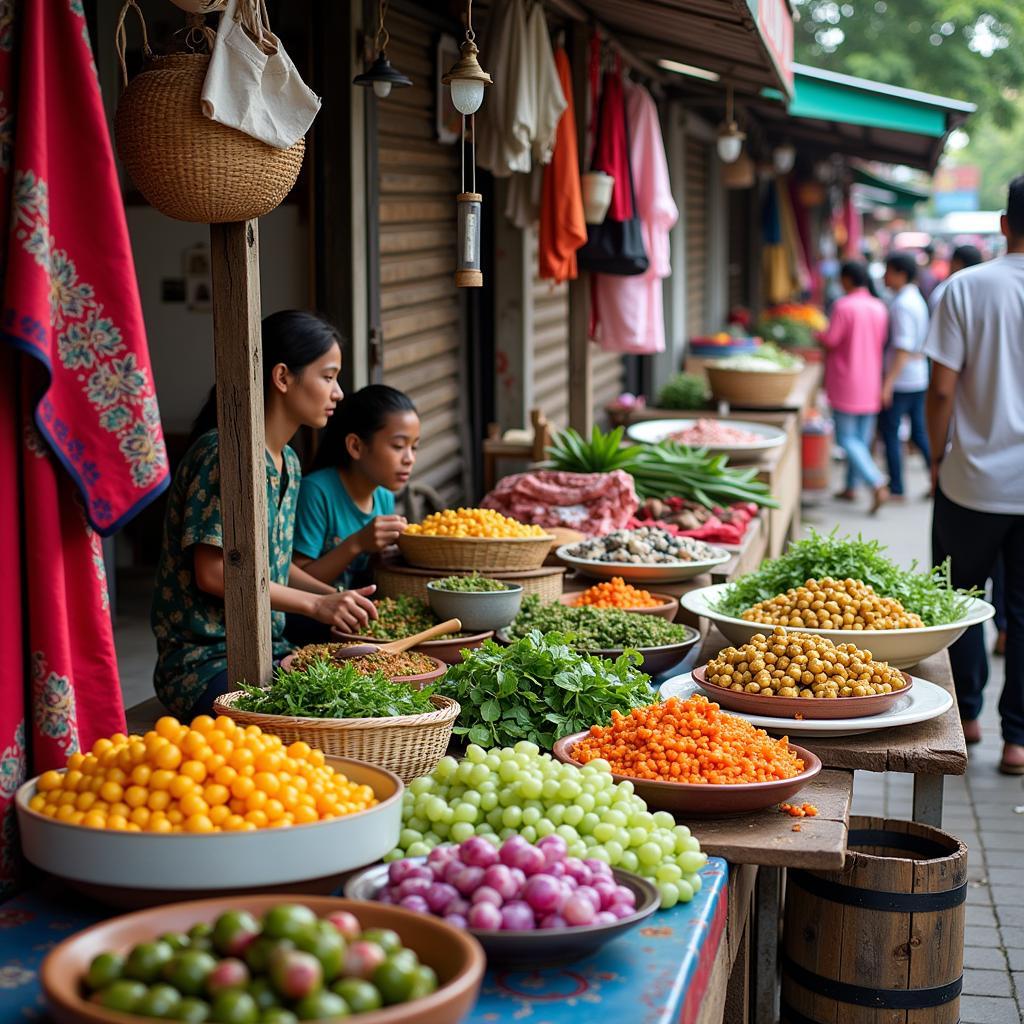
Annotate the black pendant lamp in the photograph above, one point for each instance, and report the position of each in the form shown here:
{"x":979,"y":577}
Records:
{"x":381,"y":74}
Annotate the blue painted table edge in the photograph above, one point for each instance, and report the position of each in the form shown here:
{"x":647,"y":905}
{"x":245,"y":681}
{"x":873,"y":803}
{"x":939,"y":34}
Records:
{"x":655,"y":974}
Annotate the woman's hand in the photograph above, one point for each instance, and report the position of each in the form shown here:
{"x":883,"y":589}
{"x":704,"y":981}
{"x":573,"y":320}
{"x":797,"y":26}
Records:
{"x":381,"y":532}
{"x":348,"y":610}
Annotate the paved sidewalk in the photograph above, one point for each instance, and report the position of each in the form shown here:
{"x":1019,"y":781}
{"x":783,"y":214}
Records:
{"x":983,"y":808}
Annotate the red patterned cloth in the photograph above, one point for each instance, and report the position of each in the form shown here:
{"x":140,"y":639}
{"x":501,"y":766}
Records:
{"x":593,"y":503}
{"x":81,"y":449}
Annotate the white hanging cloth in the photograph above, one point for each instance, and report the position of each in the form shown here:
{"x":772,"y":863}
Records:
{"x":252,"y":84}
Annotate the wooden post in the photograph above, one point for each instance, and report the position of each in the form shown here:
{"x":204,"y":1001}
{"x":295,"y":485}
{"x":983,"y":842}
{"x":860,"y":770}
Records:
{"x":581,"y":363}
{"x":238,"y":365}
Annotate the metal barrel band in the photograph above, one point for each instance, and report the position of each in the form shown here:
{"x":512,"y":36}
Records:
{"x":872,"y":899}
{"x":787,"y":1015}
{"x":878,"y":998}
{"x":898,"y":841}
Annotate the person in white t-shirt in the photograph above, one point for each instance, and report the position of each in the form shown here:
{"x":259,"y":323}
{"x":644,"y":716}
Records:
{"x":976,"y":423}
{"x":906,"y":370}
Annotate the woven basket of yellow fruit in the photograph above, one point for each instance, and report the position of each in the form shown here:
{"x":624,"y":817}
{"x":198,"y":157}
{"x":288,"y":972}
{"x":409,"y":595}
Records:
{"x":210,"y":806}
{"x":474,"y":538}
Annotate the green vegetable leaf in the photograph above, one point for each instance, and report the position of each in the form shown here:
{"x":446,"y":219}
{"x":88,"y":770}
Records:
{"x":490,"y":710}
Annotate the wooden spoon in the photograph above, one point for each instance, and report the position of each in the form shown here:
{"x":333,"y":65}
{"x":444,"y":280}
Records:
{"x":397,"y":646}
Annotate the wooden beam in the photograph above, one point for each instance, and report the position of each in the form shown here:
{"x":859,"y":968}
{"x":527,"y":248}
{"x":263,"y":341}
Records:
{"x":238,"y":364}
{"x":581,"y":362}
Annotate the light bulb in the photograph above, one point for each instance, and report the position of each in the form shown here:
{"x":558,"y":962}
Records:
{"x":784,"y":157}
{"x":467,"y":95}
{"x":729,"y":147}
{"x":382,"y":89}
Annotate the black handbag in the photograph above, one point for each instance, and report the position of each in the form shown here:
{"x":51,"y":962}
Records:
{"x":615,"y":246}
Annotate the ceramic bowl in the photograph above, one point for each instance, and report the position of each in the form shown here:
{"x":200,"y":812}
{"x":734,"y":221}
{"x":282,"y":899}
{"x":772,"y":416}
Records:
{"x":658,"y":660}
{"x":477,"y":610}
{"x":455,"y":956}
{"x":707,"y":799}
{"x":901,"y":648}
{"x":147,"y":868}
{"x":791,"y":707}
{"x":528,"y":949}
{"x":667,"y":609}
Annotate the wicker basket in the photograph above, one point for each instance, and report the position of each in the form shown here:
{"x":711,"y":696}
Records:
{"x":187,"y":166}
{"x":394,"y":579}
{"x":750,"y":388}
{"x":408,"y":745}
{"x":480,"y":554}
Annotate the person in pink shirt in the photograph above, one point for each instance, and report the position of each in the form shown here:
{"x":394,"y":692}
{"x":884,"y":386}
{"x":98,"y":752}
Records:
{"x":853,"y":378}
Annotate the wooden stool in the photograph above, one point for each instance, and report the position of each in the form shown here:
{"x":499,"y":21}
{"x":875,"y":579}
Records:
{"x":515,"y":444}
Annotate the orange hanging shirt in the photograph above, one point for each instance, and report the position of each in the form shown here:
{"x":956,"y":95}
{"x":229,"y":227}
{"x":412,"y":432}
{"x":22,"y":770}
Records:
{"x":563,"y":229}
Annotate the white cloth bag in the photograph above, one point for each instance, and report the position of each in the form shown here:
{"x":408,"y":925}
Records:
{"x":252,"y":84}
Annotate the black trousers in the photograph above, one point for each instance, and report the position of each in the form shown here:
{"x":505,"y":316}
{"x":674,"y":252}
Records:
{"x":974,"y":541}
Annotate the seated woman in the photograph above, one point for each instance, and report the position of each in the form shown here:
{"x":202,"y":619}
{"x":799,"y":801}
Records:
{"x":301,"y":363}
{"x":347,"y":504}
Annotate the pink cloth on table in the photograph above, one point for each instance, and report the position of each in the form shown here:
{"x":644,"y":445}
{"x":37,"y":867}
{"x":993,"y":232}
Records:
{"x":629,"y":309}
{"x":593,"y":503}
{"x":853,"y":359}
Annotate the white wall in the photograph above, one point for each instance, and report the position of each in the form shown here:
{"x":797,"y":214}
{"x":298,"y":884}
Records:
{"x":180,"y":341}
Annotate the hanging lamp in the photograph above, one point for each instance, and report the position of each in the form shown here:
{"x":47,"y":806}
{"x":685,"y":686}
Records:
{"x":467,"y":81}
{"x":730,"y":138}
{"x":380,"y":74}
{"x":784,"y":157}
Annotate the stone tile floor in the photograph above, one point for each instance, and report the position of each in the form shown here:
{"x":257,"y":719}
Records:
{"x":980,"y":808}
{"x":983,"y":808}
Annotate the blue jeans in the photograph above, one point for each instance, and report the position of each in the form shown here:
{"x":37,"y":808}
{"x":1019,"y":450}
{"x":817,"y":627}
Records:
{"x":904,"y":403}
{"x":854,"y":432}
{"x":974,"y":541}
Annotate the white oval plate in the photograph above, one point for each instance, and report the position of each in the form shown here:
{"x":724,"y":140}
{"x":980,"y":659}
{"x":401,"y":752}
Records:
{"x":901,"y":648}
{"x":924,"y":701}
{"x":635,"y":572}
{"x":653,"y":431}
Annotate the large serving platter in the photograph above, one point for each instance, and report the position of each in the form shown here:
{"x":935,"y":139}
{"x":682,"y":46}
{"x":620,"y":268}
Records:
{"x":653,"y":431}
{"x":635,"y":572}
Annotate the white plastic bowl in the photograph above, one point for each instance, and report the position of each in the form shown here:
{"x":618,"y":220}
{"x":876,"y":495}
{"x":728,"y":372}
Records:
{"x":637,"y":572}
{"x":901,"y":648}
{"x":183,"y":862}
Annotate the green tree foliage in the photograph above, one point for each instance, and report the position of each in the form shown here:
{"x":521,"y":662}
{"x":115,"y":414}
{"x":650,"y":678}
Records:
{"x":967,"y":49}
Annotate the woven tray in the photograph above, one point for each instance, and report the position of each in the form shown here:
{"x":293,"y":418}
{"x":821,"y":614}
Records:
{"x":745,"y":387}
{"x":396,"y":579}
{"x":481,"y":554}
{"x":408,"y":745}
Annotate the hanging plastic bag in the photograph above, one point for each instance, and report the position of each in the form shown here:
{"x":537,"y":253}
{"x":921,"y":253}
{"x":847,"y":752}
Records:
{"x":252,"y":84}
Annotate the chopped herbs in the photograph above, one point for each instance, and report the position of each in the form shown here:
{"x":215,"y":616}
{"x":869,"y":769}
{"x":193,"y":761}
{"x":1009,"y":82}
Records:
{"x":472,"y":584}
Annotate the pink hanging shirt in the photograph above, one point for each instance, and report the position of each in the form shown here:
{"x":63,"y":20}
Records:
{"x":853,"y":359}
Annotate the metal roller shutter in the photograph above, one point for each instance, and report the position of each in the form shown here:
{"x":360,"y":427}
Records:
{"x":421,"y":309}
{"x":550,"y":346}
{"x":697,"y":184}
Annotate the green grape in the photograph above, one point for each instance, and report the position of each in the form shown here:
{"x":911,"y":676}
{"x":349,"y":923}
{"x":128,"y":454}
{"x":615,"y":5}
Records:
{"x":556,"y":814}
{"x":685,"y":890}
{"x":577,"y":849}
{"x":488,"y":801}
{"x":424,"y":784}
{"x":614,"y":817}
{"x":396,"y":854}
{"x":529,"y":833}
{"x":530,"y":788}
{"x":569,"y":789}
{"x":408,"y":836}
{"x":544,"y":827}
{"x":669,"y":873}
{"x":669,"y":892}
{"x":460,"y":831}
{"x":695,"y":882}
{"x":465,"y":812}
{"x":587,"y":823}
{"x":567,"y":832}
{"x":691,"y":861}
{"x":573,"y":815}
{"x":476,"y":754}
{"x":662,"y":819}
{"x":585,"y":801}
{"x":420,"y":849}
{"x":549,"y":789}
{"x":614,"y":849}
{"x":531,"y":815}
{"x":649,"y":854}
{"x":629,"y":861}
{"x":508,"y":771}
{"x":603,"y":832}
{"x":512,"y":817}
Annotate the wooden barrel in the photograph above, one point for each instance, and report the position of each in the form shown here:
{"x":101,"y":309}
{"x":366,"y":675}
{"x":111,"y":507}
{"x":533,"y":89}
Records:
{"x":882,"y":941}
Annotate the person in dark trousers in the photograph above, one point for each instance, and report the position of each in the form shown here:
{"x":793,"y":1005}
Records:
{"x":976,"y":423}
{"x":906,"y":369}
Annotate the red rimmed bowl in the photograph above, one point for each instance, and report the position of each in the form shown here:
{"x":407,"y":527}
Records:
{"x":808,"y":708}
{"x":707,"y":799}
{"x":416,"y":681}
{"x":667,"y":609}
{"x":455,"y":956}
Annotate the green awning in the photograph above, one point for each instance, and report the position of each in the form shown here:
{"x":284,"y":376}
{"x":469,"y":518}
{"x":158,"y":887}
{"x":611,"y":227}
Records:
{"x":886,"y":192}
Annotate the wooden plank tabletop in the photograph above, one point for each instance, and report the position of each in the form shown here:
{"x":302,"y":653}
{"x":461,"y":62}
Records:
{"x":767,"y":838}
{"x":935,"y":747}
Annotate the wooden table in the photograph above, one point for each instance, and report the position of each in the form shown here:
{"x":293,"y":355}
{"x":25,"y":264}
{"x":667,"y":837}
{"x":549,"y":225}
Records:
{"x":928,"y":750}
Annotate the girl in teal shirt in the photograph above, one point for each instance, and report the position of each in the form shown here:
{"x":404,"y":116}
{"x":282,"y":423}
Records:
{"x":301,"y":362}
{"x":346,"y":506}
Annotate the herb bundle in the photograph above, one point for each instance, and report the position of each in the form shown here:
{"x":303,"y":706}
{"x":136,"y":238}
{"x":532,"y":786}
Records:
{"x":540,"y":688}
{"x":326,"y":689}
{"x":930,"y":594}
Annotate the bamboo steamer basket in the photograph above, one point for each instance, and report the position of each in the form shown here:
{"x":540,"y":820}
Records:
{"x":395,"y":579}
{"x":749,"y":388}
{"x":408,"y":745}
{"x":187,"y":166}
{"x":882,"y":940}
{"x":481,"y":554}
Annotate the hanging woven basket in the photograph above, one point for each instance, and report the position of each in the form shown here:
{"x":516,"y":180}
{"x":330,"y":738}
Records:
{"x":187,"y":166}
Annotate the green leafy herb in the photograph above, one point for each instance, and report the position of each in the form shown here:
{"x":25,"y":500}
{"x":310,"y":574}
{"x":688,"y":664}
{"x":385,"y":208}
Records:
{"x":472,"y":584}
{"x":540,"y":688}
{"x":684,"y":391}
{"x":328,"y":690}
{"x":930,"y":594}
{"x":398,"y":617}
{"x":601,"y":454}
